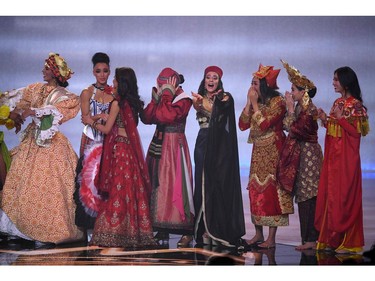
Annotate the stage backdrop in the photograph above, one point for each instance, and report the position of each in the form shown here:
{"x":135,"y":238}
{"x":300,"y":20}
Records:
{"x":315,"y":45}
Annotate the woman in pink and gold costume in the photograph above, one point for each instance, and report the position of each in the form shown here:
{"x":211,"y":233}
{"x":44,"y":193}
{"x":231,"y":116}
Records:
{"x":168,"y":159}
{"x":263,"y":114}
{"x":38,"y":193}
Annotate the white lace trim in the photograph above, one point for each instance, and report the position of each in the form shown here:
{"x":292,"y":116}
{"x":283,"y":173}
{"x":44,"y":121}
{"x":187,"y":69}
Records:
{"x":44,"y":135}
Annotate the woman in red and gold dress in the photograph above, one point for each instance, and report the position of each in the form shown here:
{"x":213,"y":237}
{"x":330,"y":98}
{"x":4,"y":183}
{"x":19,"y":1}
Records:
{"x":168,"y":159}
{"x":339,"y":214}
{"x":123,"y":218}
{"x":263,"y":114}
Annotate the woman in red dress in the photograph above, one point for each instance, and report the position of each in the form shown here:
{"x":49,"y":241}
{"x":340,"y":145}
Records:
{"x":123,"y":218}
{"x":339,"y":214}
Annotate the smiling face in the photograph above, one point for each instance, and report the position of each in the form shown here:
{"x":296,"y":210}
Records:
{"x":211,"y":81}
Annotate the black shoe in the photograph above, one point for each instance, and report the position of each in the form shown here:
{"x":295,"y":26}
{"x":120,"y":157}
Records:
{"x":242,"y":245}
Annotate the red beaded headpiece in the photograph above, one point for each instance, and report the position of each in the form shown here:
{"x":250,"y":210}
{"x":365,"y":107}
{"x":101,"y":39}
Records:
{"x":269,"y":74}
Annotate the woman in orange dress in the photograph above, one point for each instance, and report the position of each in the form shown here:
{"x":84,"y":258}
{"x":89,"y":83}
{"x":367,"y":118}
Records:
{"x":38,"y":192}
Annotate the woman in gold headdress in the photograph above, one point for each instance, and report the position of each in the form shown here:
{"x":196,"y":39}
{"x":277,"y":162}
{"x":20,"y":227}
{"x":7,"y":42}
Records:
{"x":301,"y":158}
{"x":37,"y":198}
{"x":263,"y":114}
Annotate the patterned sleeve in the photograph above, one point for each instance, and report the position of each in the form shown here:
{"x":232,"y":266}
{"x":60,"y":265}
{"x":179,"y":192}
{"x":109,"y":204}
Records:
{"x":244,"y":121}
{"x":354,"y":120}
{"x":27,"y":97}
{"x":270,"y":115}
{"x":69,"y":107}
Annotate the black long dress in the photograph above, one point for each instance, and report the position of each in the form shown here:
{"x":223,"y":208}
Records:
{"x":217,"y":195}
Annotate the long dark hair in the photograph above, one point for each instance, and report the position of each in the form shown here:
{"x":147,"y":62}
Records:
{"x":127,"y":90}
{"x":266,"y":93}
{"x":349,"y":81}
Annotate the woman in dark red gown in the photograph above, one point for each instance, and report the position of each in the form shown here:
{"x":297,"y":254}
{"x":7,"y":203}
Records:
{"x":124,"y":217}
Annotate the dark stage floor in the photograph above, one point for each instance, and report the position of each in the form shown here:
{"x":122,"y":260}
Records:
{"x":25,"y":253}
{"x":21,"y":253}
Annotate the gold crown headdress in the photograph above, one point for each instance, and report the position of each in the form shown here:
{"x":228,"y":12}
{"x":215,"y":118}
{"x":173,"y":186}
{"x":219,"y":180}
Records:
{"x":268,"y":73}
{"x":295,"y":77}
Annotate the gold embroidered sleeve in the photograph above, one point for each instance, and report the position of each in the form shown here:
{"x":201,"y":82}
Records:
{"x":244,"y":117}
{"x":288,"y":120}
{"x":277,"y":105}
{"x":258,"y":117}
